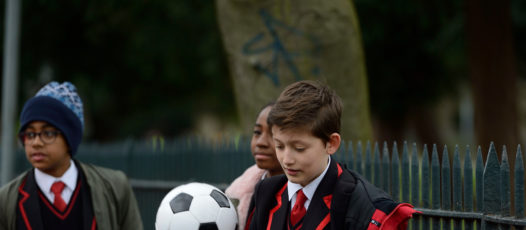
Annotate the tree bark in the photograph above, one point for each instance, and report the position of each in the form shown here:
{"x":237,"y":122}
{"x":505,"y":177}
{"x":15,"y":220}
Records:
{"x":492,"y":70}
{"x":272,"y":43}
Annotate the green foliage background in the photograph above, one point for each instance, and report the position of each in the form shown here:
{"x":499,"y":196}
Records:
{"x":138,"y":65}
{"x":154,"y":66}
{"x":415,"y":52}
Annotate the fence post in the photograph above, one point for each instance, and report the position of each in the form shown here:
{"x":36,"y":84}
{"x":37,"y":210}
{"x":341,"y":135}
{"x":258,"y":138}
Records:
{"x":414,"y":183}
{"x":406,"y":183}
{"x":424,"y":182}
{"x":435,"y":185}
{"x":519,"y":184}
{"x":468,"y":187}
{"x":491,"y":186}
{"x":415,"y":197}
{"x":479,"y":181}
{"x":377,"y":166}
{"x":395,"y":173}
{"x":342,"y":154}
{"x":446,"y":185}
{"x":359,"y":158}
{"x":368,"y":170}
{"x":385,"y":168}
{"x":456,"y":180}
{"x":505,"y":204}
{"x":479,"y":172}
{"x":351,"y":162}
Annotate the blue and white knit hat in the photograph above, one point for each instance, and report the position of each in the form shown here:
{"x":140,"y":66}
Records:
{"x":60,"y":106}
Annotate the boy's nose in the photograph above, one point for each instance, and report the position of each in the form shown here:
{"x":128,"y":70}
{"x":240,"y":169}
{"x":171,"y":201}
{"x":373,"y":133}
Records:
{"x":37,"y":141}
{"x":288,"y":159}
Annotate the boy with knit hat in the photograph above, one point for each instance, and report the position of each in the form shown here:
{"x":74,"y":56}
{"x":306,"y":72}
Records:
{"x":60,"y":192}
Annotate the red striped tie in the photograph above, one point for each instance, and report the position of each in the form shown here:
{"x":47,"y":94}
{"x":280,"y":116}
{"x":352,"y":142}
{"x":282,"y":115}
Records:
{"x":56,"y":189}
{"x":298,"y":211}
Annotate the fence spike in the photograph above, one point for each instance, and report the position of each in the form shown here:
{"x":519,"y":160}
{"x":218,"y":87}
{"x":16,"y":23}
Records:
{"x":435,"y":179}
{"x":426,"y":193}
{"x":377,"y":166}
{"x":395,"y":173}
{"x":446,"y":180}
{"x":457,"y":181}
{"x":505,"y":204}
{"x":425,"y":183}
{"x":405,"y":174}
{"x":341,"y":152}
{"x":468,"y":181}
{"x":368,"y":169}
{"x":479,"y":180}
{"x":358,"y":158}
{"x":415,"y":200}
{"x":385,"y":168}
{"x":350,"y":156}
{"x":519,"y":184}
{"x":435,"y":186}
{"x":491,"y":178}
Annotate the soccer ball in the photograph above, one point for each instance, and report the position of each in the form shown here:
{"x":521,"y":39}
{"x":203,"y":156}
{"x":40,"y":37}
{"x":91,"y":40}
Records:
{"x":196,"y":206}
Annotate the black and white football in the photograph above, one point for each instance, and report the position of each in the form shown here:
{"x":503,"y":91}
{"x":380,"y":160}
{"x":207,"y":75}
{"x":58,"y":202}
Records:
{"x":196,"y":206}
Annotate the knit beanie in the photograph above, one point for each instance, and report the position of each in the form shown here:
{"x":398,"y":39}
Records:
{"x":60,"y":106}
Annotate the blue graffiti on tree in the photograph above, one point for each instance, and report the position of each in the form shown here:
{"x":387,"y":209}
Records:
{"x":279,"y":51}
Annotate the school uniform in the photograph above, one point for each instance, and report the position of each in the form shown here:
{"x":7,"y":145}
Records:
{"x":101,"y":199}
{"x":342,"y":200}
{"x":89,"y":197}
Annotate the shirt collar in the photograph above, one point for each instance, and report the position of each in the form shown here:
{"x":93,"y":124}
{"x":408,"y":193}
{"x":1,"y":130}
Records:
{"x":264,"y":175}
{"x":44,"y":181}
{"x":308,"y":190}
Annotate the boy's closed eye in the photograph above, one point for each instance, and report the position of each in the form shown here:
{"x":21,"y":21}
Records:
{"x":299,"y":149}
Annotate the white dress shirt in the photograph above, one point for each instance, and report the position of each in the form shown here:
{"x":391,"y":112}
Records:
{"x":44,"y":182}
{"x":308,"y":190}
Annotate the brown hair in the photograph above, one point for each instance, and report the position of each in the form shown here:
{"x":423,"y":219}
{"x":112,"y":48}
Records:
{"x":308,"y":104}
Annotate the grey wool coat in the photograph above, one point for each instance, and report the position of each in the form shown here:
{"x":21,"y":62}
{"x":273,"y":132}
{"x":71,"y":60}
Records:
{"x":114,"y":204}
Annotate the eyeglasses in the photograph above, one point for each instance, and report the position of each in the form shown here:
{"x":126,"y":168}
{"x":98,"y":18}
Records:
{"x":48,"y":137}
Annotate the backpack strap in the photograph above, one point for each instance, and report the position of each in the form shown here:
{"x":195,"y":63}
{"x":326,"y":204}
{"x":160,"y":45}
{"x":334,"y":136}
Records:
{"x":360,"y":207}
{"x":396,"y":219}
{"x":376,"y":209}
{"x":368,"y":205}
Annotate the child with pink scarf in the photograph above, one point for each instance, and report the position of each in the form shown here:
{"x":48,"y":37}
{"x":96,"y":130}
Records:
{"x":267,"y":165}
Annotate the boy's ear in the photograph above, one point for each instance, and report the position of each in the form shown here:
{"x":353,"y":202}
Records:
{"x":334,"y":143}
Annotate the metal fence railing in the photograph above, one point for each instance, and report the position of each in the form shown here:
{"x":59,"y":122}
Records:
{"x":450,"y":193}
{"x":155,"y":167}
{"x":453,"y":190}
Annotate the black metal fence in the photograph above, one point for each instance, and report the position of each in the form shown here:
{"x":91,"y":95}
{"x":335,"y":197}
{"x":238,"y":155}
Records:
{"x":451,"y":193}
{"x":454,"y":189}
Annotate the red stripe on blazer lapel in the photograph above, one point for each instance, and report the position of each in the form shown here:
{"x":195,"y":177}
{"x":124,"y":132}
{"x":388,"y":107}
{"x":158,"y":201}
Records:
{"x":279,"y":208}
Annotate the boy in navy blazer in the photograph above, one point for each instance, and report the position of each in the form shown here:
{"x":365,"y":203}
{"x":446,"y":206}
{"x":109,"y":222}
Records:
{"x":316,"y":192}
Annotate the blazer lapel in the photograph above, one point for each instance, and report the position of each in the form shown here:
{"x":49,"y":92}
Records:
{"x":28,"y":203}
{"x":100,"y":197}
{"x":279,"y":218}
{"x":85,"y":197}
{"x":318,"y":213}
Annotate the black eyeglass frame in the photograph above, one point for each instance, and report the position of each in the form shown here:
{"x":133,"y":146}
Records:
{"x":33,"y":135}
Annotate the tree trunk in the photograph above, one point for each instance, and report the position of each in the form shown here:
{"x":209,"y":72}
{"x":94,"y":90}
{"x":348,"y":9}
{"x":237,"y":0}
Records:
{"x":272,"y":43}
{"x":492,"y":70}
